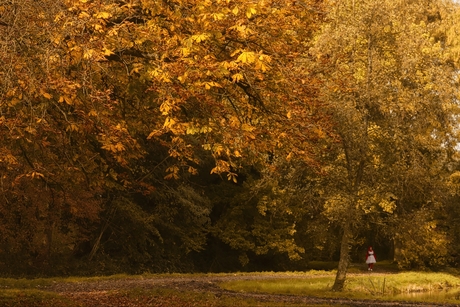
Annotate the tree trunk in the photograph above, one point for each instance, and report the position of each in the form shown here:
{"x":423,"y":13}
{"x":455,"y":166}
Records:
{"x":396,"y":250}
{"x":104,"y":228}
{"x":344,"y":259}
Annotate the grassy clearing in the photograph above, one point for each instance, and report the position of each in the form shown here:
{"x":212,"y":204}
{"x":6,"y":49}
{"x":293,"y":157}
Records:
{"x":407,"y":286}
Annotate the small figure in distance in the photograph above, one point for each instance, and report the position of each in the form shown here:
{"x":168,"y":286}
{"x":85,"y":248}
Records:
{"x":370,"y":258}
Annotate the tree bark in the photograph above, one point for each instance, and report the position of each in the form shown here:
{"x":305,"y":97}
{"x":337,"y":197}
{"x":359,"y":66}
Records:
{"x":104,"y":228}
{"x":396,"y":250}
{"x":344,"y":259}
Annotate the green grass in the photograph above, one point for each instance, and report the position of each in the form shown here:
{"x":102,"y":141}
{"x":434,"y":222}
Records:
{"x":408,"y":282}
{"x":407,"y":286}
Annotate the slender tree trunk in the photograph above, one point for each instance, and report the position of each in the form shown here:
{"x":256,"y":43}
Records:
{"x":344,"y":258}
{"x":396,"y":250}
{"x":104,"y":228}
{"x":355,"y":178}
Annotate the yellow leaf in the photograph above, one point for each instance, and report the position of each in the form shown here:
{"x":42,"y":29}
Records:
{"x":47,"y":95}
{"x":200,"y":37}
{"x":169,"y":122}
{"x":218,"y":149}
{"x":37,"y":174}
{"x":57,"y":40}
{"x":237,"y":77}
{"x":192,"y":130}
{"x":210,"y":84}
{"x":103,"y":15}
{"x":173,"y":169}
{"x":171,"y":176}
{"x":185,"y":51}
{"x":108,"y":52}
{"x":97,"y":26}
{"x":72,"y":127}
{"x":319,"y":132}
{"x":246,"y":127}
{"x":261,"y":66}
{"x":154,"y":133}
{"x":235,"y":10}
{"x":205,"y":129}
{"x":173,"y":172}
{"x":119,"y":147}
{"x":218,"y":16}
{"x":234,"y":121}
{"x":250,"y":11}
{"x":31,"y":130}
{"x":165,"y":107}
{"x":83,"y":15}
{"x":13,"y":102}
{"x":232,"y":176}
{"x":68,"y":100}
{"x":88,"y":54}
{"x":246,"y":57}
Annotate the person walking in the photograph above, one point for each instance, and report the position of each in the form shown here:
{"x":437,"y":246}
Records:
{"x":370,"y":258}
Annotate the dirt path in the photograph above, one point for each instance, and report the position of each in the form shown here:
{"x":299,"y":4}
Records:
{"x":102,"y":293}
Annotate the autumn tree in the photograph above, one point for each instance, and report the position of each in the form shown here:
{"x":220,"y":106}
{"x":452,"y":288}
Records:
{"x":226,"y":77}
{"x":391,"y":89}
{"x":101,"y":99}
{"x":49,"y":199}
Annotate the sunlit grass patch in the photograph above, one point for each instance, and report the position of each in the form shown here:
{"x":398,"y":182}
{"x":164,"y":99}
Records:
{"x":363,"y":286}
{"x":407,"y":282}
{"x":284,"y":286}
{"x":312,"y":286}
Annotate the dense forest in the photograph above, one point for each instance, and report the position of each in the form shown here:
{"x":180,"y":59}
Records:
{"x":227,"y":135}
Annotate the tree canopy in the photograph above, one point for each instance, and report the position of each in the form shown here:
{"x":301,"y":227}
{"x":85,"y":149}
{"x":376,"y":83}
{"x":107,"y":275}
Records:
{"x":167,"y":132}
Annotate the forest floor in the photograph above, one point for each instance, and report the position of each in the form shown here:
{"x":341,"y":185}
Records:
{"x":140,"y":292}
